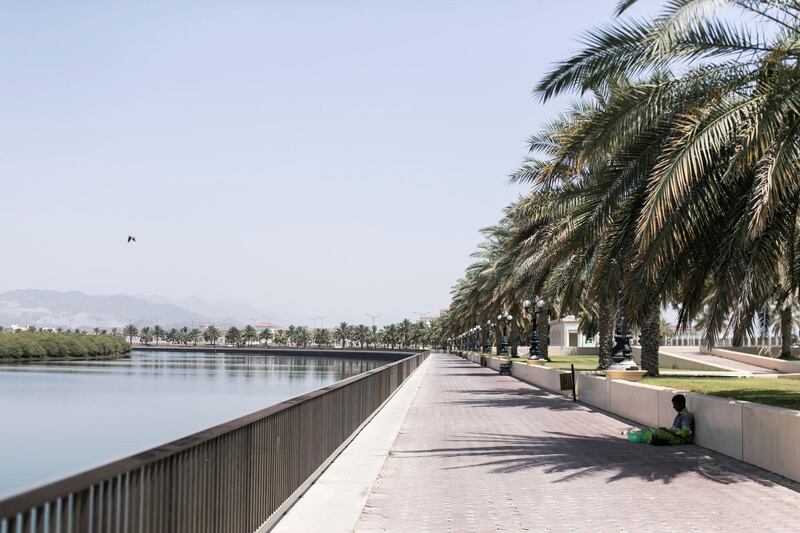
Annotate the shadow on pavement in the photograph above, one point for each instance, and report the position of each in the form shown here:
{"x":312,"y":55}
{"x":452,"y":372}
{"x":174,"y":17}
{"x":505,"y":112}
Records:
{"x":577,"y":456}
{"x":528,"y":397}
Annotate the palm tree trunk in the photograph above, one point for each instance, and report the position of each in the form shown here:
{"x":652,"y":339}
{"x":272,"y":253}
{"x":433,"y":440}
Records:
{"x":738,"y":338}
{"x":606,"y":330}
{"x":649,"y":339}
{"x":543,"y":330}
{"x":786,"y":332}
{"x":514,"y":340}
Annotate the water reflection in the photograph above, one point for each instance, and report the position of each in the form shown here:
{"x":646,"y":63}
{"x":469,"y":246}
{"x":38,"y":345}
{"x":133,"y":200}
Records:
{"x":61,"y":417}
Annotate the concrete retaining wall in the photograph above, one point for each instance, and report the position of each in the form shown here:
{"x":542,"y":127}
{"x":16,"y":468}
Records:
{"x":758,"y":434}
{"x":674,"y":360}
{"x":592,"y":389}
{"x":633,"y":401}
{"x":494,"y":363}
{"x":757,"y":360}
{"x":546,"y":378}
{"x":718,"y":423}
{"x":770,"y":438}
{"x":774,"y":351}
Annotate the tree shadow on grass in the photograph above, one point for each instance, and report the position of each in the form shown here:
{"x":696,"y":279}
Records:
{"x":577,"y":456}
{"x":787,"y":399}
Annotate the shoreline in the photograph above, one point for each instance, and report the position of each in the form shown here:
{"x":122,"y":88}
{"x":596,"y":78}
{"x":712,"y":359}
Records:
{"x":65,"y":358}
{"x":256,"y":350}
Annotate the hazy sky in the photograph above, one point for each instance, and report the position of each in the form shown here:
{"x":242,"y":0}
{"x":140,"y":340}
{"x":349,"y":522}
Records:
{"x":333,"y":158}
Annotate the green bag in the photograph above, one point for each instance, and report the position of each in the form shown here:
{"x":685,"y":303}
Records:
{"x":644,"y":436}
{"x":635,"y":436}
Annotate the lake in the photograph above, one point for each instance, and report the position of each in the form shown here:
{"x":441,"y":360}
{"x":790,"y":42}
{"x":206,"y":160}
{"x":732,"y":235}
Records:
{"x":60,"y":418}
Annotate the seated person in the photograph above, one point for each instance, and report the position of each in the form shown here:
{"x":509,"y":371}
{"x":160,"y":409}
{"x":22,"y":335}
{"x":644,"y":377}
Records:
{"x":682,"y":428}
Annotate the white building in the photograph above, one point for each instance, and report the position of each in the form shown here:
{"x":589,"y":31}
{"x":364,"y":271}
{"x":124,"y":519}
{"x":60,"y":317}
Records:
{"x":566,"y":333}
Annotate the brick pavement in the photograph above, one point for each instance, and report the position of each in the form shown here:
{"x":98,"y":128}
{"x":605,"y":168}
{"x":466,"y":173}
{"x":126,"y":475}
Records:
{"x":483,"y":452}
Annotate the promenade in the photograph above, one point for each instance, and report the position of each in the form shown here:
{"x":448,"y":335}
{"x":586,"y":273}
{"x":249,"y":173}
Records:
{"x":481,"y":452}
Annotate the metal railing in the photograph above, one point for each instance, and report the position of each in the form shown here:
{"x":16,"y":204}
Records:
{"x":231,"y":477}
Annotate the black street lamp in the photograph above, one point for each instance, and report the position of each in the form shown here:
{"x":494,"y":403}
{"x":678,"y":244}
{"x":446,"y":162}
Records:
{"x":487,"y":332}
{"x":621,"y":352}
{"x":504,"y":321}
{"x":535,"y":351}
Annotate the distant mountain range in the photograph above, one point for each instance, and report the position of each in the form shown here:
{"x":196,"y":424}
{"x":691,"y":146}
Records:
{"x":74,"y":309}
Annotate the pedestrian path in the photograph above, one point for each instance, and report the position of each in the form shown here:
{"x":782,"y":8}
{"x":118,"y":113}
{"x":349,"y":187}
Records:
{"x":482,"y":452}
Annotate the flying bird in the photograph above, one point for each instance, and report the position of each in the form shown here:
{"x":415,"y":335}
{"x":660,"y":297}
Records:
{"x":131,"y":238}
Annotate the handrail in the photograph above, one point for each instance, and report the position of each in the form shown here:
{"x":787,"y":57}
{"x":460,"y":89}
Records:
{"x":153,"y":483}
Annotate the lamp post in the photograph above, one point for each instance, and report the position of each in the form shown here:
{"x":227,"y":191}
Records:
{"x":487,"y":347}
{"x":621,"y":352}
{"x":535,"y":351}
{"x":476,"y":342}
{"x":504,"y":321}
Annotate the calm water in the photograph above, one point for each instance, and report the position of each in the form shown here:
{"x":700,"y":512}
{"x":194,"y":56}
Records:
{"x":61,"y":418}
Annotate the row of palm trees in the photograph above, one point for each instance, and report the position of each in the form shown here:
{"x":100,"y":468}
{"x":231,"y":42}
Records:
{"x":404,"y":334}
{"x":672,"y":180}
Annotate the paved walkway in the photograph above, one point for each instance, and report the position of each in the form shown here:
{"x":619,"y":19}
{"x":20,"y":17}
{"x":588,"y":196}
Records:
{"x":334,"y":502}
{"x":483,"y":452}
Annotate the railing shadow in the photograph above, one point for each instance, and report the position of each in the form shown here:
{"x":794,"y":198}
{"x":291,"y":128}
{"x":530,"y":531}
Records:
{"x":577,"y":456}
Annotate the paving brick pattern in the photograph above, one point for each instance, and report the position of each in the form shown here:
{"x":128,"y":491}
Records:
{"x":483,"y":452}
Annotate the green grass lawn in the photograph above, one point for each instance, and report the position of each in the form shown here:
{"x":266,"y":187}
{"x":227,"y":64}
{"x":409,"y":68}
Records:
{"x":770,"y":391}
{"x":581,"y":362}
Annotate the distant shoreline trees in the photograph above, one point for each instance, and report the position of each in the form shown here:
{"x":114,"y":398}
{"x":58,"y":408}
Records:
{"x":27,"y":345}
{"x":405,"y":334}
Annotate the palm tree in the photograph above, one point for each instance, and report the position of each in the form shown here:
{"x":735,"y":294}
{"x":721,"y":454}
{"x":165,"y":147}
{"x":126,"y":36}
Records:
{"x":728,"y":155}
{"x":301,"y":337}
{"x":390,"y":335}
{"x":183,"y":335}
{"x":280,"y":337}
{"x":211,"y":335}
{"x":158,"y":333}
{"x":341,"y":332}
{"x":130,"y":331}
{"x":404,"y":331}
{"x":362,"y":334}
{"x":265,"y":335}
{"x":145,"y":335}
{"x":322,"y":337}
{"x":250,"y":335}
{"x":233,"y":336}
{"x":195,"y":335}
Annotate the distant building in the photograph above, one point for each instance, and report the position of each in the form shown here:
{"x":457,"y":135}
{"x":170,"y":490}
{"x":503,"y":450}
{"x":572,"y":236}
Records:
{"x":566,"y":333}
{"x":426,"y":318}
